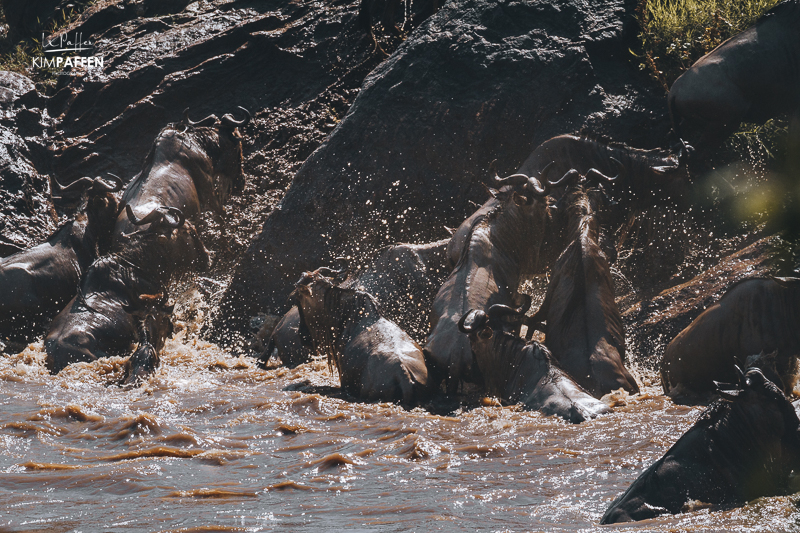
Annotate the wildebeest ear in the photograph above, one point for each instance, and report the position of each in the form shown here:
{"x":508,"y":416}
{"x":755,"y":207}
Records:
{"x":521,"y":199}
{"x":729,"y":391}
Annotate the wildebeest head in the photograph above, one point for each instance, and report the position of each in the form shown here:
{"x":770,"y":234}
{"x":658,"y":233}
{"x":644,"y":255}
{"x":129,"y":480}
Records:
{"x":521,"y":215}
{"x":519,"y":371}
{"x":483,"y":328}
{"x":95,"y":197}
{"x":742,"y":447}
{"x":166,"y":237}
{"x":325,"y":309}
{"x":222,"y":141}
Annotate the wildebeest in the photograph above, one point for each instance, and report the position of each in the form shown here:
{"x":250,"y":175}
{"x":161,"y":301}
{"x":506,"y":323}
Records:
{"x":648,"y":176}
{"x":498,"y":250}
{"x":753,"y":76}
{"x":192,"y":166}
{"x":36,"y":283}
{"x":755,"y":315}
{"x":742,"y":447}
{"x":403,"y":278}
{"x":289,"y":340}
{"x":584,"y":327}
{"x":520,"y":372}
{"x":102,"y":320}
{"x":376,"y":360}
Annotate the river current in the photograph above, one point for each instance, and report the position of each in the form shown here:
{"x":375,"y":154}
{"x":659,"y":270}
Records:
{"x":213,"y":443}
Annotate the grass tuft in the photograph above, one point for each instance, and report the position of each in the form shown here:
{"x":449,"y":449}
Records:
{"x":17,"y":53}
{"x":676,"y":33}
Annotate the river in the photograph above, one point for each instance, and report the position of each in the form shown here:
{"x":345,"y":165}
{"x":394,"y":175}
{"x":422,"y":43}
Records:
{"x":212,"y":443}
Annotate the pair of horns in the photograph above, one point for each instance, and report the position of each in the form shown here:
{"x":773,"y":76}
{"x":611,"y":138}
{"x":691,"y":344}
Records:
{"x":227,"y":119}
{"x":535,"y":187}
{"x":96,"y":185}
{"x":572,"y":177}
{"x":169,"y":217}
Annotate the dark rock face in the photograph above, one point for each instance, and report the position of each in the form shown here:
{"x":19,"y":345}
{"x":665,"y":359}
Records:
{"x":26,"y":215}
{"x":296,"y":65}
{"x":653,"y":322}
{"x":479,"y":80}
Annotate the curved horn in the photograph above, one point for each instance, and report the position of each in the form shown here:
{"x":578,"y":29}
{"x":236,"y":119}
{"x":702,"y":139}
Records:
{"x":571,"y":177}
{"x":329,"y":272}
{"x":499,"y":310}
{"x":476,"y":320}
{"x":172,"y":216}
{"x":513,"y":179}
{"x":228,"y":120}
{"x":76,"y":187}
{"x":112,"y":184}
{"x":210,"y":120}
{"x":540,"y":186}
{"x":149,"y":218}
{"x":740,"y":375}
{"x":598,"y":176}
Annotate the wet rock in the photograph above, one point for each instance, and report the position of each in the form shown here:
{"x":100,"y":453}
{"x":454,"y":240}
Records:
{"x":26,"y":214}
{"x":477,"y":81}
{"x":651,"y":324}
{"x":12,"y":86}
{"x":296,"y":65}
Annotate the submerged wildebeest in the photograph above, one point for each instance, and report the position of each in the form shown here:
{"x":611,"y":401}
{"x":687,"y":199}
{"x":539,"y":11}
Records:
{"x":376,"y":360}
{"x":584,"y":328}
{"x":103,"y":319}
{"x":403,"y":278}
{"x":192,"y":166}
{"x":742,"y":447}
{"x":520,"y":372}
{"x":754,"y":315}
{"x":35,"y":284}
{"x":752,"y":77}
{"x":499,"y":248}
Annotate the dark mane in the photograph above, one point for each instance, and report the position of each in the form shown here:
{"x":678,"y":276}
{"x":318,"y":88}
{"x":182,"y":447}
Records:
{"x":465,"y":249}
{"x":589,"y":135}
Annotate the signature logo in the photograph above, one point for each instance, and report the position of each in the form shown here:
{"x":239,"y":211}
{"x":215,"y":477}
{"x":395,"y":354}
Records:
{"x":64,"y":44}
{"x":69,"y":47}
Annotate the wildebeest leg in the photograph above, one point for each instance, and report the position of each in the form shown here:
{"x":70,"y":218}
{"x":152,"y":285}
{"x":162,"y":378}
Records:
{"x":141,"y":364}
{"x":154,"y":329}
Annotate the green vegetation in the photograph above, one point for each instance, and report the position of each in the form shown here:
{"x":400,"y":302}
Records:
{"x":676,"y":33}
{"x":17,"y":52}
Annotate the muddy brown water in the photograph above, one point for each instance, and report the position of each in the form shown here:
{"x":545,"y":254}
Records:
{"x":212,"y":443}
